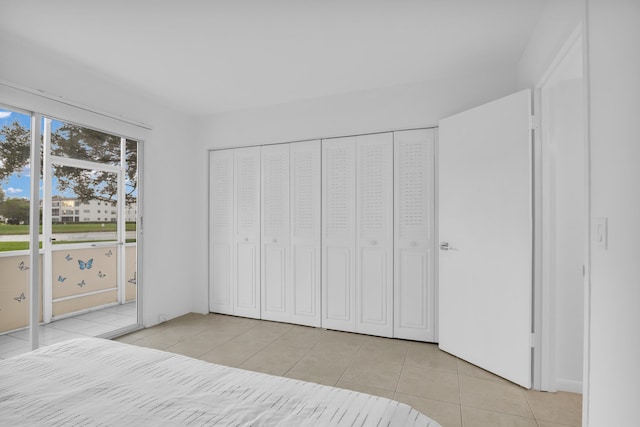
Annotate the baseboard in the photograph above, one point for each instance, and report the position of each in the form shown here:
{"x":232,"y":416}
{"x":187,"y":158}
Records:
{"x":571,"y":386}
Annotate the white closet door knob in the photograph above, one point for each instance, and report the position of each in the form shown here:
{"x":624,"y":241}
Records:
{"x":374,"y":242}
{"x":275,"y":240}
{"x":246,"y":239}
{"x":414,"y":243}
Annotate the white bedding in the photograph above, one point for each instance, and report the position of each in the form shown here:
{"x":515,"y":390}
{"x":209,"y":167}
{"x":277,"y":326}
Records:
{"x":96,"y":382}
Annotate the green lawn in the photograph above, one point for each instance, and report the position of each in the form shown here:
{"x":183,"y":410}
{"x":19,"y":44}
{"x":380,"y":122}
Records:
{"x":23,"y":246}
{"x":14,"y":246}
{"x":81,"y":227}
{"x":6,"y":229}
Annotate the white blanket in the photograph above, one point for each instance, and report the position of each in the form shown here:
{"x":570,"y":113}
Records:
{"x":96,"y":382}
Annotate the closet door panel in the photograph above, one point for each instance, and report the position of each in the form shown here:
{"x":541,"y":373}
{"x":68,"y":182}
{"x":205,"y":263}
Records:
{"x":247,"y":231}
{"x":275,"y":291}
{"x":374,"y":225}
{"x":221,"y":239}
{"x":305,"y":232}
{"x":274,"y":281}
{"x":414,"y":195}
{"x":338,"y":233}
{"x":412,"y":294}
{"x":247,"y":283}
{"x":306,"y":291}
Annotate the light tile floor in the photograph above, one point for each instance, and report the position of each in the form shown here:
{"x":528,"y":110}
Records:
{"x":447,"y":389}
{"x":90,"y":324}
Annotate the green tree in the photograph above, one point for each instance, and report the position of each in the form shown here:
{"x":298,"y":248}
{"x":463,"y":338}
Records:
{"x":14,"y":150}
{"x":15,"y":210}
{"x":1,"y":195}
{"x":73,"y":142}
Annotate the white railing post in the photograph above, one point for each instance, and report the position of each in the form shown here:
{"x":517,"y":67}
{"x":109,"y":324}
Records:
{"x":122,"y":224}
{"x":34,"y":233}
{"x":47,"y":231}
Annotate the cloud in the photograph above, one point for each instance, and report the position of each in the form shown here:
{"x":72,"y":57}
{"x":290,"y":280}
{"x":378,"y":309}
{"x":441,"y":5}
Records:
{"x":11,"y":190}
{"x":4,"y":114}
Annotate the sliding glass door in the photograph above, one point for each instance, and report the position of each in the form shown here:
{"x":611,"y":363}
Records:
{"x":87,"y":196}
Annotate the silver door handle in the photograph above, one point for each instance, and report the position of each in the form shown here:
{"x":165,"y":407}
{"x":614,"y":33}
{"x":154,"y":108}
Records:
{"x":275,"y":240}
{"x":414,"y":244}
{"x":374,"y":242}
{"x":246,"y":239}
{"x":444,"y":246}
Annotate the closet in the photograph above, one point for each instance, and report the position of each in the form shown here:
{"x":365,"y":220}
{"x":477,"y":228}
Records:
{"x":414,"y":235}
{"x":337,"y":233}
{"x":357,"y":243}
{"x":234,"y":224}
{"x":290,"y":277}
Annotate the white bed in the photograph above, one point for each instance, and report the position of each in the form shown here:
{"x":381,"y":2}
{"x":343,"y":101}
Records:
{"x":96,"y":382}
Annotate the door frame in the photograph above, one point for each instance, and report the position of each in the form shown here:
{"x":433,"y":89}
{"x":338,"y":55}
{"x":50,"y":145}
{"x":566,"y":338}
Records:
{"x":544,"y":373}
{"x":120,"y":243}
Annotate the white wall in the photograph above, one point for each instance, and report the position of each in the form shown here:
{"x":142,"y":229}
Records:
{"x":399,"y":107}
{"x":614,"y":90}
{"x":558,"y":20}
{"x":168,"y":159}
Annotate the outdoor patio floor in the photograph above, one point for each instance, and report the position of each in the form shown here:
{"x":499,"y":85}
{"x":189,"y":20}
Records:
{"x":92,"y":324}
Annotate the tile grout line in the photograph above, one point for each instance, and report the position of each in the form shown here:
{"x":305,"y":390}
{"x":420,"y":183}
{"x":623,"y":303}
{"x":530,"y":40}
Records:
{"x":459,"y":391}
{"x":350,"y":361}
{"x":304,"y":355}
{"x":404,"y":363}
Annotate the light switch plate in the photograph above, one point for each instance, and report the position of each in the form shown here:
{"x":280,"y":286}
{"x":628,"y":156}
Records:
{"x":601,"y":233}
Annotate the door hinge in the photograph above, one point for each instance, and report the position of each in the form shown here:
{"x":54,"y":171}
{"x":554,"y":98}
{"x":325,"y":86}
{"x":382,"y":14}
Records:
{"x":534,"y":123}
{"x":532,"y":340}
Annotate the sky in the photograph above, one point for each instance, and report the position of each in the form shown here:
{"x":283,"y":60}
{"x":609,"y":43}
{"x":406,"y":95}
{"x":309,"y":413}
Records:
{"x":16,"y":186}
{"x":19,"y":186}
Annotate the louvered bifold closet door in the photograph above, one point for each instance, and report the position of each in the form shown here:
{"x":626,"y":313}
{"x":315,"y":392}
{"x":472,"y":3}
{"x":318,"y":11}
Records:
{"x":221,"y":236}
{"x":414,"y":235}
{"x":247,"y":232}
{"x":374,"y":235}
{"x":338,"y":233}
{"x":305,"y":232}
{"x":275,"y":283}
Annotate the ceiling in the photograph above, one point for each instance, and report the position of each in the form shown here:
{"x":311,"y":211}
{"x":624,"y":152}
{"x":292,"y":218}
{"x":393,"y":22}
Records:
{"x":204,"y":57}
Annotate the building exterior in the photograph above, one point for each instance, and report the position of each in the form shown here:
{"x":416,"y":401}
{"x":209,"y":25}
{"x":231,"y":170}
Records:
{"x":67,"y":210}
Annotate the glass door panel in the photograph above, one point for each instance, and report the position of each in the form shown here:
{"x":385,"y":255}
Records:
{"x":15,"y":205}
{"x":85,"y":230}
{"x":85,"y":240}
{"x":131,"y":220}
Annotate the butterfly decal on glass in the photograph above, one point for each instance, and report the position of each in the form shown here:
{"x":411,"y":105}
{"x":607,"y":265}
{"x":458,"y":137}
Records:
{"x":85,"y":265}
{"x":20,"y":298}
{"x":101,"y":275}
{"x":133,"y":281}
{"x":68,"y":257}
{"x":81,"y":284}
{"x":108,"y":254}
{"x":22,"y":267}
{"x":61,"y":279}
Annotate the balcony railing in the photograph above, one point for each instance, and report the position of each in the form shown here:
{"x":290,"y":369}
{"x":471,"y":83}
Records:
{"x":82,"y":280}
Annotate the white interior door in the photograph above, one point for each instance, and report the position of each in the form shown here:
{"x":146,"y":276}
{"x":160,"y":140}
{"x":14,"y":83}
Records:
{"x":338,"y":233}
{"x":305,"y":232}
{"x":247,"y":232}
{"x":374,"y":239}
{"x":414,"y":236}
{"x":485,"y":232}
{"x":275,"y":284}
{"x":221,"y":238}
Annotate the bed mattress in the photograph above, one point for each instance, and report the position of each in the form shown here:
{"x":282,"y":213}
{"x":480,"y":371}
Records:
{"x":97,"y":382}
